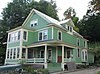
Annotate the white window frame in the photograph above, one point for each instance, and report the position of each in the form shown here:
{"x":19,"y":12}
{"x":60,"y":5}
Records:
{"x":14,"y":32}
{"x":77,"y":41}
{"x":33,"y":21}
{"x":58,"y":35}
{"x":26,"y":34}
{"x":84,"y":58}
{"x":43,"y":35}
{"x":85,"y":44}
{"x":78,"y":53}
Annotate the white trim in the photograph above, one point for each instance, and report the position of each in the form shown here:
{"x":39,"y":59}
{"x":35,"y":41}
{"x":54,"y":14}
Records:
{"x":56,"y":54}
{"x":83,"y":58}
{"x":45,"y":52}
{"x":63,"y":57}
{"x":43,"y":34}
{"x":34,"y":21}
{"x":52,"y":32}
{"x":13,"y":33}
{"x":58,"y":35}
{"x":77,"y":39}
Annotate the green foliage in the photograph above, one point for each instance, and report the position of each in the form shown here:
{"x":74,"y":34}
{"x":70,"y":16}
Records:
{"x":29,"y":69}
{"x":95,"y":5}
{"x":69,"y":13}
{"x":98,"y":72}
{"x":90,"y":26}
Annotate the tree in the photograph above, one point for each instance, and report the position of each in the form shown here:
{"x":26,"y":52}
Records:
{"x":90,"y":26}
{"x":69,"y":13}
{"x":16,"y":12}
{"x":95,"y":5}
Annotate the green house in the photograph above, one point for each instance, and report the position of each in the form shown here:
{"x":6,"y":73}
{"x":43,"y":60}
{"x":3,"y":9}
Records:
{"x":46,"y":41}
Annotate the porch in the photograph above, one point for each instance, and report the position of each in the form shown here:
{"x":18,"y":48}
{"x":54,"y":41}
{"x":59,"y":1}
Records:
{"x":48,"y":55}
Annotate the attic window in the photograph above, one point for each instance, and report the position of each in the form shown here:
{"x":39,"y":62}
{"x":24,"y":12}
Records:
{"x":69,"y":28}
{"x":34,"y":23}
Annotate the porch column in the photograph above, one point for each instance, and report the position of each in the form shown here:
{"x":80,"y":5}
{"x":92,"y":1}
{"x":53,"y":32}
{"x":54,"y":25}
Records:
{"x":45,"y":56}
{"x":63,"y":57}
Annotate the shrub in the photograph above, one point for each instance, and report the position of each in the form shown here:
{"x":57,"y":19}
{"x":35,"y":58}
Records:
{"x":98,"y":72}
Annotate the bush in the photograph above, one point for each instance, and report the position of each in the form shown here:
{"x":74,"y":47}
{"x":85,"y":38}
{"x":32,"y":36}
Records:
{"x":29,"y":69}
{"x":98,"y":72}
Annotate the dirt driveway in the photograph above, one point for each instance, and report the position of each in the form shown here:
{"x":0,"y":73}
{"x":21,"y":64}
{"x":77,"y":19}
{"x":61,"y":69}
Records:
{"x":86,"y":71}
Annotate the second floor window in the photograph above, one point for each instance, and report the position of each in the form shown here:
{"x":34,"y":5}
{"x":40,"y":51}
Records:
{"x":25,"y":35}
{"x":59,"y":35}
{"x":15,"y":36}
{"x":43,"y":35}
{"x":78,"y":52}
{"x":78,"y":41}
{"x":85,"y":44}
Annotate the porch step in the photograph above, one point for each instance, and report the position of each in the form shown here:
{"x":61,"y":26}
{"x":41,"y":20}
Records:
{"x":53,"y":67}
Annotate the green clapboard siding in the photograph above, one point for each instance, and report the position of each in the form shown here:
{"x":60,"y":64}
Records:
{"x":53,"y":54}
{"x":31,"y":38}
{"x":13,"y":44}
{"x":41,"y":22}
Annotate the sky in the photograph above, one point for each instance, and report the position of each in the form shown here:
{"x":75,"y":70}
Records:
{"x":80,"y":6}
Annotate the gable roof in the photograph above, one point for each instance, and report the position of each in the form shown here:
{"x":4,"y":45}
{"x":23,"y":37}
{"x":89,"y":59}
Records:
{"x":66,"y":21}
{"x":44,"y":16}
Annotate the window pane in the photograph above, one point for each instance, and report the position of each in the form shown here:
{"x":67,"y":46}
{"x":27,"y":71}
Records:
{"x":40,"y":36}
{"x":18,"y":35}
{"x":59,"y":35}
{"x":70,"y":29}
{"x":23,"y":53}
{"x":9,"y":38}
{"x":45,"y":35}
{"x":33,"y":23}
{"x":78,"y":42}
{"x":78,"y":53}
{"x":14,"y":54}
{"x":24,"y":35}
{"x":10,"y":53}
{"x":18,"y":52}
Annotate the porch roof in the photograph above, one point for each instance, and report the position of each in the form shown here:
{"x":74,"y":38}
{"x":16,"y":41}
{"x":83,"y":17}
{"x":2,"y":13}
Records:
{"x":50,"y":42}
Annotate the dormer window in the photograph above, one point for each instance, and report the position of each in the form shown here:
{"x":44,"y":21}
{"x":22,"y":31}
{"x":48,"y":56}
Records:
{"x":34,"y":23}
{"x":69,"y":28}
{"x":78,"y":41}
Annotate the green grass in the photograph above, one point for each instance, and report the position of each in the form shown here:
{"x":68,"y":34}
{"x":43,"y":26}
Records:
{"x":98,"y":72}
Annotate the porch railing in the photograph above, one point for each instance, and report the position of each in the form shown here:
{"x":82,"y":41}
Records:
{"x":69,"y":60}
{"x":19,"y":61}
{"x":35,"y":60}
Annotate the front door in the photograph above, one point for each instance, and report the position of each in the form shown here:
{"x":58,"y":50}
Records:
{"x":68,"y":53}
{"x":42,"y":54}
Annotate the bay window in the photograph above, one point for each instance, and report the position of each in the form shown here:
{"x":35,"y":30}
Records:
{"x":15,"y":36}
